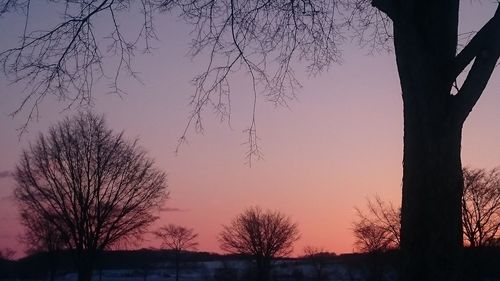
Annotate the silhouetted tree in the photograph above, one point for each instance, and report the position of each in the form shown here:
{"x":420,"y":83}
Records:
{"x":371,"y":238}
{"x":250,"y":34}
{"x":178,"y":239}
{"x":379,"y":228}
{"x":90,"y":185}
{"x":264,"y":235}
{"x":481,"y":206}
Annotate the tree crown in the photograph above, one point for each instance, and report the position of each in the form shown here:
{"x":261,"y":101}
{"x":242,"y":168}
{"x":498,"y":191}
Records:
{"x":259,"y":233}
{"x":89,"y":184}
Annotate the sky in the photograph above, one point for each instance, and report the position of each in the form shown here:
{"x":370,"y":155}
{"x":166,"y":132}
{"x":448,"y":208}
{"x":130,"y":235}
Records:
{"x":338,"y":144}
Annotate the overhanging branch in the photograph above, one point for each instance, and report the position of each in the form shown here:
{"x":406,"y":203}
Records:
{"x":484,"y":36}
{"x":484,"y":49}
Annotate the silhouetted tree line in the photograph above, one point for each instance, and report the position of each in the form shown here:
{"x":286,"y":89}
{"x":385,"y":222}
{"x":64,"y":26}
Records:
{"x":480,"y":264}
{"x":36,"y":265}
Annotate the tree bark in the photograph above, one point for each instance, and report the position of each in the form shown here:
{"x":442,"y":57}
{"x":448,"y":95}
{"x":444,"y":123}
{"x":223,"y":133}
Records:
{"x":431,"y":230}
{"x":425,"y":38}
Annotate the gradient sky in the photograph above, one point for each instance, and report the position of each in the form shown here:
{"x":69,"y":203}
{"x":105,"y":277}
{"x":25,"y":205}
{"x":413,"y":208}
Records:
{"x":338,"y":144}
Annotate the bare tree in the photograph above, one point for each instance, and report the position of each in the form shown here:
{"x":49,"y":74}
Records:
{"x":263,"y":235}
{"x":249,"y":35}
{"x":370,"y":238}
{"x":178,"y":239}
{"x":481,"y":206}
{"x":92,"y":186}
{"x":378,"y":229}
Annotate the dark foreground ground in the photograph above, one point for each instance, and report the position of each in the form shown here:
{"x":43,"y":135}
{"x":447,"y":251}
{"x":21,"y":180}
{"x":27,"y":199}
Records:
{"x":155,"y":265}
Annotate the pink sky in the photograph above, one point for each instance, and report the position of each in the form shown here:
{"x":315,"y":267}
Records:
{"x":338,"y":144}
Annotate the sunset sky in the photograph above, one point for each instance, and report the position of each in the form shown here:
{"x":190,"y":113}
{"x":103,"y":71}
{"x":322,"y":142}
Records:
{"x":337,"y":144}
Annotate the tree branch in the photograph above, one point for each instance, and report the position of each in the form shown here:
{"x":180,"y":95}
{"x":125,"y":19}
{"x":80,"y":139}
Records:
{"x":474,"y":47}
{"x":484,"y":49}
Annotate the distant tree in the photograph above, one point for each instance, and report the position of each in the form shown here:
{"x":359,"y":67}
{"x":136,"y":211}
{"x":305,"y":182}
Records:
{"x":89,"y":185}
{"x":370,"y":237}
{"x":481,"y":206}
{"x":178,"y":239}
{"x":264,"y":235}
{"x":379,"y":228}
{"x":318,"y":258}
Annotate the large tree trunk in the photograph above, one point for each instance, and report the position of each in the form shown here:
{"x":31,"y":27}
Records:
{"x":431,"y":236}
{"x":425,"y":38}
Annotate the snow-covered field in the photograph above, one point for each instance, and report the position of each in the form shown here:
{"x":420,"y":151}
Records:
{"x":225,"y":271}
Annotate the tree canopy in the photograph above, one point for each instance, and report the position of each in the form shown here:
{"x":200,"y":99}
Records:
{"x":90,"y":186}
